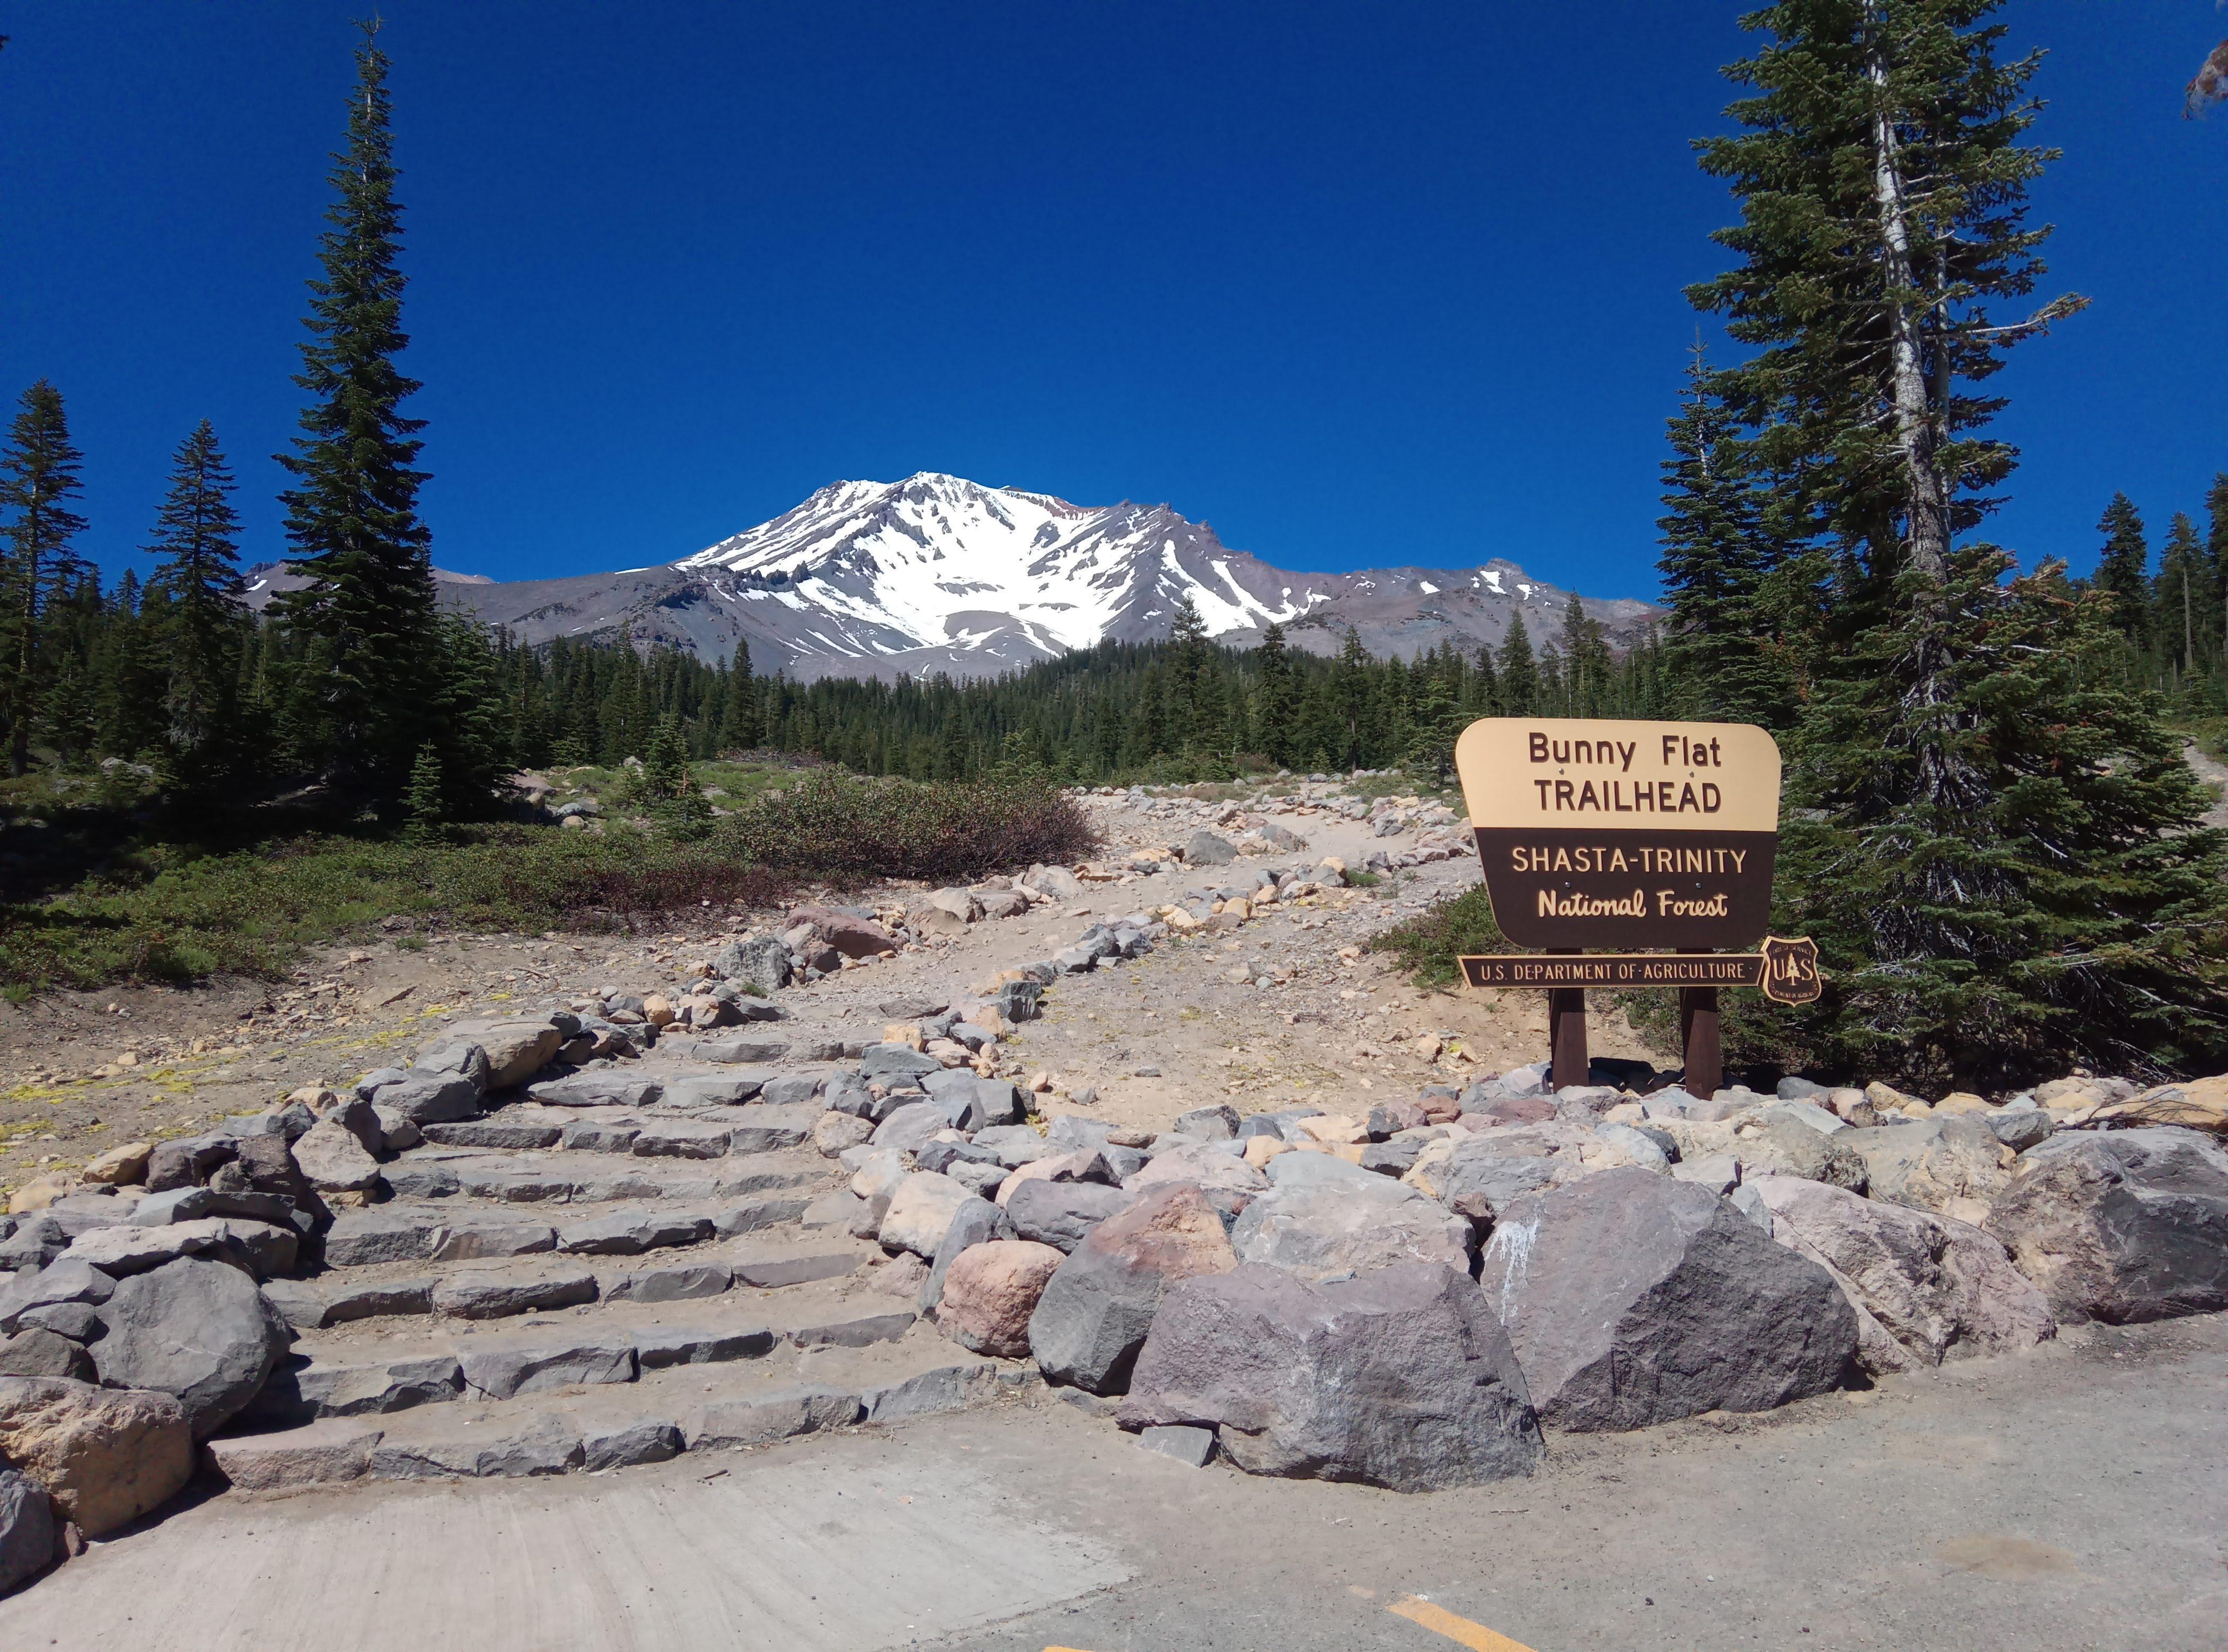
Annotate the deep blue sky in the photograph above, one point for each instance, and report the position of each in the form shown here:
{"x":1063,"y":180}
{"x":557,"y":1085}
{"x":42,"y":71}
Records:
{"x":1360,"y":283}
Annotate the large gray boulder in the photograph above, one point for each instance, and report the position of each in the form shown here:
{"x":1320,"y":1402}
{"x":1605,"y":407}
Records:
{"x":1400,"y":1378}
{"x":35,"y":1352}
{"x":1016,"y":1145}
{"x":1786,"y":1146}
{"x":896,"y":1064}
{"x":1063,"y":1213}
{"x":762,"y":962}
{"x":596,"y":1089}
{"x":197,"y":1330}
{"x":1318,"y":1169}
{"x":1203,"y":847}
{"x":1218,"y":1122}
{"x":909,"y":1126}
{"x":1055,"y":881}
{"x":37,"y":1240}
{"x":1925,"y":1288}
{"x":2120,"y":1225}
{"x":428,"y":1098}
{"x":334,"y":1158}
{"x":921,"y":1210}
{"x":1319,"y":1229}
{"x":64,"y":1280}
{"x":1634,"y":1298}
{"x":1954,"y":1166}
{"x":1479,"y":1186}
{"x":455,"y":1058}
{"x":1092,"y":1318}
{"x":1072,"y":1132}
{"x":261,"y":1248}
{"x":27,"y":1529}
{"x":1203,"y":1164}
{"x":970,"y":1102}
{"x":187,"y":1161}
{"x":516,"y":1050}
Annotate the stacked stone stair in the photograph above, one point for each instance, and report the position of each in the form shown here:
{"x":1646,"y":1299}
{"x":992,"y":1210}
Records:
{"x":570,"y":1287}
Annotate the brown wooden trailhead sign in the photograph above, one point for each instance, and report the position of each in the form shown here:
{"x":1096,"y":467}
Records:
{"x":1629,"y":836}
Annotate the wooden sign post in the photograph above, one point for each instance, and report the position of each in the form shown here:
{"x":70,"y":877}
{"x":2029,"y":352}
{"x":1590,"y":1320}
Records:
{"x":1623,"y":835}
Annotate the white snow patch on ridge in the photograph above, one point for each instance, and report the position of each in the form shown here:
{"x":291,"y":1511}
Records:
{"x":909,"y":555}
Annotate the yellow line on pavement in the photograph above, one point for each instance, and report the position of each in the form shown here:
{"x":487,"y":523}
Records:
{"x":1460,"y":1631}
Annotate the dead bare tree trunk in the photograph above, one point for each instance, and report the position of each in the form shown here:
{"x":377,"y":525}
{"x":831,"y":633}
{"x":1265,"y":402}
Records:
{"x":1926,"y":530}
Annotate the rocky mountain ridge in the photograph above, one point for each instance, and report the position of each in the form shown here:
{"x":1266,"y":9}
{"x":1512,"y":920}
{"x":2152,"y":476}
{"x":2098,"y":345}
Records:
{"x":938,"y":573}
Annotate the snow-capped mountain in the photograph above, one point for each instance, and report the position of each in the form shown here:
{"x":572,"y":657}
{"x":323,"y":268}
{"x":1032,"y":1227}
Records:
{"x":938,"y":573}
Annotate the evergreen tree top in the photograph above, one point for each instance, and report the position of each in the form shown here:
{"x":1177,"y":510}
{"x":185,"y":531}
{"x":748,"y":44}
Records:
{"x":353,"y":510}
{"x":39,"y":474}
{"x":197,"y":529}
{"x":1882,"y":181}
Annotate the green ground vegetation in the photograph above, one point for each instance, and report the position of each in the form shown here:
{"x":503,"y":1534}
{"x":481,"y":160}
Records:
{"x":96,"y":899}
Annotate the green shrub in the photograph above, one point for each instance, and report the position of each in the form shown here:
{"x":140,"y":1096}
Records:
{"x":173,"y":913}
{"x":1428,"y":944}
{"x":836,"y":825}
{"x":188,"y":916}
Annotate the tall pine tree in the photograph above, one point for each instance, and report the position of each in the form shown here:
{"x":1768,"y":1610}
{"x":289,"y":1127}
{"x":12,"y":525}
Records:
{"x":1519,"y":672}
{"x":2216,"y":561}
{"x":2123,"y":567}
{"x":1277,"y":704}
{"x":1714,"y":563}
{"x":1995,"y":851}
{"x":366,"y":614}
{"x":2176,"y":593}
{"x":38,"y":481}
{"x":195,"y":597}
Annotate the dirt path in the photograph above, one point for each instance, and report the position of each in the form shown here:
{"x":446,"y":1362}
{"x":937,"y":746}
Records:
{"x":2214,"y":776}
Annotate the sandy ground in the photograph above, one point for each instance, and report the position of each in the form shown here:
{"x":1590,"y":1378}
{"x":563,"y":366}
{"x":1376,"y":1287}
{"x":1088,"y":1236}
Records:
{"x":1338,"y":1034}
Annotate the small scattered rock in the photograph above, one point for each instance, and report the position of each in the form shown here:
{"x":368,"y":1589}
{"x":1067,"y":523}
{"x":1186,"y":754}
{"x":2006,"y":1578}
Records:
{"x":1192,"y":1446}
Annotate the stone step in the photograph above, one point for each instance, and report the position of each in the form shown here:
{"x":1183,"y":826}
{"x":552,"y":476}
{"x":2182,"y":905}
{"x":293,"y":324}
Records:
{"x":560,"y":1177}
{"x":436,"y":1232}
{"x":366,"y":1370}
{"x":783,"y":1393}
{"x":769,"y":1259}
{"x":359,"y":1374}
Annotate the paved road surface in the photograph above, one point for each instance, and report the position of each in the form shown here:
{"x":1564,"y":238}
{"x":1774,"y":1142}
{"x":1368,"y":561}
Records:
{"x":2075,"y":1499}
